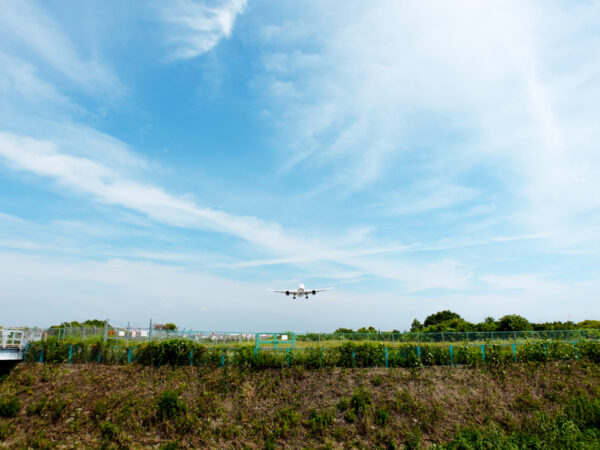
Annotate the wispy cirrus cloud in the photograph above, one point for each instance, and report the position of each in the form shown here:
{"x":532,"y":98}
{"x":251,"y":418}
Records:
{"x":471,"y":97}
{"x":194,"y":28}
{"x":108,"y":185}
{"x":26,"y":28}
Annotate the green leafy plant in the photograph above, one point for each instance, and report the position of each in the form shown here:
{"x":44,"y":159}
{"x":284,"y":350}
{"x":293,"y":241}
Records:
{"x":9,"y":406}
{"x":319,"y":420}
{"x":169,"y":405}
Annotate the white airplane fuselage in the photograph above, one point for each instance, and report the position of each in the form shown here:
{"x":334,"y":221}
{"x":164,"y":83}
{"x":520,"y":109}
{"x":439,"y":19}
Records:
{"x":301,"y":291}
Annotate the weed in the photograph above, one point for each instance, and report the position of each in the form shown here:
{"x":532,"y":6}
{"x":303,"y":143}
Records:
{"x":319,"y":421}
{"x":286,"y":421}
{"x":360,"y":401}
{"x":169,"y":405}
{"x":100,"y":408}
{"x":6,"y":430}
{"x":38,"y":407}
{"x":377,"y":380}
{"x":170,"y":445}
{"x":350,"y":415}
{"x":9,"y":406}
{"x":56,"y":408}
{"x":413,"y":440}
{"x":343,"y":404}
{"x":382,"y":417}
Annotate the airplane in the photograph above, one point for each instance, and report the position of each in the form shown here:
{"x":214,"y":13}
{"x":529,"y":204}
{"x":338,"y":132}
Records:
{"x":301,"y":291}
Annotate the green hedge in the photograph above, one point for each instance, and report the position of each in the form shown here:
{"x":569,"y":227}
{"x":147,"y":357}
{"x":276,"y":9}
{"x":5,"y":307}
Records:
{"x":179,"y":352}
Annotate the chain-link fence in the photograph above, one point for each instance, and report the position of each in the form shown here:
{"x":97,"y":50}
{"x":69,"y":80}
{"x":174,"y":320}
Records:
{"x":130,"y":335}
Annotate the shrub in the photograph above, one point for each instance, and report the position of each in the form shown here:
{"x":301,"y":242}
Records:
{"x":360,"y":400}
{"x":56,"y":408}
{"x":468,"y":355}
{"x":286,"y":420}
{"x":367,"y":354}
{"x":382,"y":416}
{"x":377,"y":380}
{"x":9,"y":406}
{"x":169,"y":405}
{"x":6,"y":430}
{"x":320,"y":420}
{"x":589,"y":351}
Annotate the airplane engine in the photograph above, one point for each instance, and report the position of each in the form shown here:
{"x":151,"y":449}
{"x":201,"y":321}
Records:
{"x":314,"y":292}
{"x":287,"y":292}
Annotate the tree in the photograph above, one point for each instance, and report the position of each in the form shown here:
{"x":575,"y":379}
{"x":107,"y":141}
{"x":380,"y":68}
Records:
{"x":439,"y":317}
{"x":416,"y":326}
{"x":366,"y":330}
{"x":76,"y":324}
{"x":488,"y":324}
{"x":344,"y":330}
{"x":167,"y":326}
{"x":589,"y":324}
{"x":513,"y":322}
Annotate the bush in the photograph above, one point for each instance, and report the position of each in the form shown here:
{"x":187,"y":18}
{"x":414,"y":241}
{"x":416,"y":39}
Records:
{"x":9,"y":406}
{"x":382,"y":416}
{"x":319,"y":420}
{"x":169,"y":405}
{"x":360,"y":400}
{"x":367,"y":354}
{"x":513,"y":322}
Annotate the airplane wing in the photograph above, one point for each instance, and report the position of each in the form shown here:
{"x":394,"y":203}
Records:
{"x":321,"y":290}
{"x":283,"y":292}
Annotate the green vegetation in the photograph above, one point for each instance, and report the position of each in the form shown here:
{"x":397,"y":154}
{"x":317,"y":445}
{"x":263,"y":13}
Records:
{"x":88,"y":323}
{"x":547,"y":404}
{"x":182,"y":352}
{"x":449,"y":321}
{"x":9,"y":406}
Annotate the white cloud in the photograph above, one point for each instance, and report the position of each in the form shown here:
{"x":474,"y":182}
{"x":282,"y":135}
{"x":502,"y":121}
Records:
{"x":440,"y":90}
{"x":194,"y":28}
{"x":108,"y":185}
{"x":27,"y":27}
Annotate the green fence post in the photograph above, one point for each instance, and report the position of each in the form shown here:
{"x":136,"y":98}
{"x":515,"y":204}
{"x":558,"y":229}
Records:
{"x":514,"y":349}
{"x":255,"y":352}
{"x":70,"y":353}
{"x":451,"y":356}
{"x":386,"y":358}
{"x":223,"y":358}
{"x":99,"y":356}
{"x":192,"y":357}
{"x":483,"y":353}
{"x":25,"y":352}
{"x":42,"y":355}
{"x":419,"y":352}
{"x":128,"y":355}
{"x":287,"y":357}
{"x":353,"y":358}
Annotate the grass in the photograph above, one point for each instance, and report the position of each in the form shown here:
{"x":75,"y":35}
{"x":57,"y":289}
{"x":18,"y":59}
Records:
{"x":542,"y":404}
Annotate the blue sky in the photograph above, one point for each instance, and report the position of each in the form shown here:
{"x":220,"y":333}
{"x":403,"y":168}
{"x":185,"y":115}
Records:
{"x":173,"y":161}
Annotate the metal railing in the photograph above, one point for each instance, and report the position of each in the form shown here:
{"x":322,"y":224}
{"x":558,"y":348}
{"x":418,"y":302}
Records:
{"x":12,"y":339}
